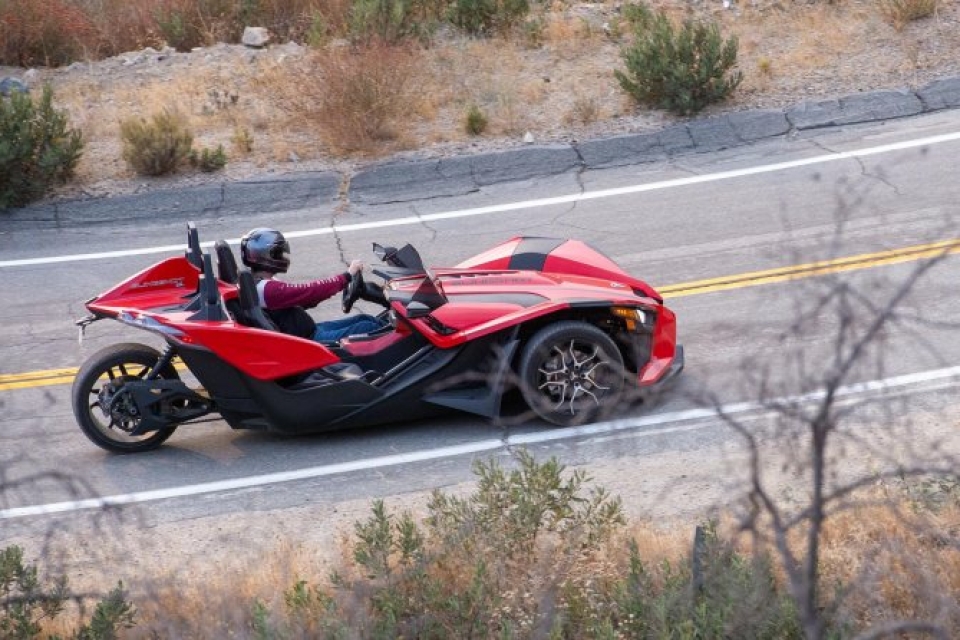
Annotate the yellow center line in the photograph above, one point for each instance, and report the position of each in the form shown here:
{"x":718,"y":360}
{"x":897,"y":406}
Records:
{"x":812,"y":269}
{"x":736,"y":281}
{"x":46,"y":378}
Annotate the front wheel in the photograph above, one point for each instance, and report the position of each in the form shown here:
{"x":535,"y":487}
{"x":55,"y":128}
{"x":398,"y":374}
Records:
{"x":104,"y":414}
{"x":571,"y":373}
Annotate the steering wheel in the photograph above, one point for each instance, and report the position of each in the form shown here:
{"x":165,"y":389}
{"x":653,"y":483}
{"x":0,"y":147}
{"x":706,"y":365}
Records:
{"x":351,"y":293}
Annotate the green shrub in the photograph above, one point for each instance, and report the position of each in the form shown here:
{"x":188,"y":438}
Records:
{"x":208,"y":160}
{"x":37,"y":149}
{"x":24,"y":601}
{"x":242,"y":140}
{"x":533,"y":32}
{"x":393,"y":21}
{"x":486,"y":17}
{"x":178,"y":28}
{"x":475,"y":121}
{"x":470,"y":570}
{"x":729,"y":595}
{"x":158,"y":146}
{"x":384,"y":19}
{"x":318,"y":32}
{"x":26,"y":604}
{"x":682,"y":70}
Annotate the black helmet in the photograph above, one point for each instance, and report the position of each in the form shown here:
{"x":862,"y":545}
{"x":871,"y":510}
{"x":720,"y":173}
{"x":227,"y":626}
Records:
{"x":265,"y":250}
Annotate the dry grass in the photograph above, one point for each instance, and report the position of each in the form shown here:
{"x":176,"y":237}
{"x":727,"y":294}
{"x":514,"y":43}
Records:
{"x":902,"y":12}
{"x":560,"y":90}
{"x":905,"y":564}
{"x":356,"y":96}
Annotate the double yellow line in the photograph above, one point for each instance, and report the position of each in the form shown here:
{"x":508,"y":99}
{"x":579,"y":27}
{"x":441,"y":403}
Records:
{"x":51,"y":377}
{"x":812,"y":269}
{"x":48,"y":377}
{"x":36,"y":379}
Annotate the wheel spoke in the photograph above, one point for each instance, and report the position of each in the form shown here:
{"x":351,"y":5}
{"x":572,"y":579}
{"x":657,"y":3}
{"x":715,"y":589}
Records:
{"x":596,"y":400}
{"x":563,"y":397}
{"x":589,"y":372}
{"x":573,"y":397}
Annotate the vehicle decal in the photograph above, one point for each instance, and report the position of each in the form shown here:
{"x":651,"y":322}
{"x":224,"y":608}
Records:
{"x":531,"y":253}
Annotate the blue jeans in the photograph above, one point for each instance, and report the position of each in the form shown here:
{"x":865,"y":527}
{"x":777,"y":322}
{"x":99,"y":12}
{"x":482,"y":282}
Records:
{"x":333,"y":330}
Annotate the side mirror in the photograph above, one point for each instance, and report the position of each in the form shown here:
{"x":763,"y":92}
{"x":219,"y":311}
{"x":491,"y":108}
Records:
{"x":384,"y":253}
{"x":417,"y":310}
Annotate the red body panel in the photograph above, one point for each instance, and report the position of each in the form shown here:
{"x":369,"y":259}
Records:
{"x":265,"y":355}
{"x":571,"y":257}
{"x":160,"y":291}
{"x":368,"y":347}
{"x":663,"y":351}
{"x":165,"y":284}
{"x":471,"y":318}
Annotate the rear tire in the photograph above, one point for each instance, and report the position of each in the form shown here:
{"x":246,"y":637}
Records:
{"x":571,"y":373}
{"x":102,"y":376}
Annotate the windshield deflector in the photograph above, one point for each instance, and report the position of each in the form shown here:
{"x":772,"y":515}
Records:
{"x":398,"y":263}
{"x":430,"y":292}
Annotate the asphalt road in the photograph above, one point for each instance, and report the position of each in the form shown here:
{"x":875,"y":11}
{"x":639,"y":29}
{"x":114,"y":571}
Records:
{"x":764,"y":207}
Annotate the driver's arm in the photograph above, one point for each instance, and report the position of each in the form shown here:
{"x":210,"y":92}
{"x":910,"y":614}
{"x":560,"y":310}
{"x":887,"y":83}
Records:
{"x":276,"y":294}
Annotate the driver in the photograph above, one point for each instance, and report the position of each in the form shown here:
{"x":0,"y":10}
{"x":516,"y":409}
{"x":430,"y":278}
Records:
{"x":266,"y":252}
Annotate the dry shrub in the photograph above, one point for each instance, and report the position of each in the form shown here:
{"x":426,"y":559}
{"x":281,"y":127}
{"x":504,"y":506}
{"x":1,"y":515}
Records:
{"x":43,"y":32}
{"x":188,"y":23}
{"x":584,"y":110}
{"x":158,"y":146}
{"x":123,"y":26}
{"x":57,"y":32}
{"x":900,"y":12}
{"x":359,"y":93}
{"x":898,"y":563}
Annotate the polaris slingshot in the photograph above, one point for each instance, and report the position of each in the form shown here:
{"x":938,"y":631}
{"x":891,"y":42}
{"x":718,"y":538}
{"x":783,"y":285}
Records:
{"x":553,"y":318}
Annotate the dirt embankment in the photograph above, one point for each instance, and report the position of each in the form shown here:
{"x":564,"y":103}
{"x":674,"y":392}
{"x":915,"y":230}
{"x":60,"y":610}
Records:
{"x":261,"y":104}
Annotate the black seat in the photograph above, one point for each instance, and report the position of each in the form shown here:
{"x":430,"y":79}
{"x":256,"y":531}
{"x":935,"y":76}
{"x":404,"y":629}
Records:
{"x":250,"y":313}
{"x":193,"y":253}
{"x":207,"y":304}
{"x":226,"y":263}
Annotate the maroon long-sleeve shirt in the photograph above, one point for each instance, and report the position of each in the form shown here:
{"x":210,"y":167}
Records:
{"x":276,"y":294}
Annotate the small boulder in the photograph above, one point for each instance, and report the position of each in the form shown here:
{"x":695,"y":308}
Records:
{"x":10,"y":85}
{"x":255,"y":37}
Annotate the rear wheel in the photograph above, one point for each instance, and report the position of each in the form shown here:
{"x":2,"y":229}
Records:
{"x":571,"y":373}
{"x":104,"y":412}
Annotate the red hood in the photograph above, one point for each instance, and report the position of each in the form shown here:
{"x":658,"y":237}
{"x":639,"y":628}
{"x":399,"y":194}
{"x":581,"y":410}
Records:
{"x":555,"y":255}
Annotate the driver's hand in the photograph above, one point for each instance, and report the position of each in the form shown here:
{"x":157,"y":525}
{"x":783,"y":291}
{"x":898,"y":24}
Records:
{"x":356,"y":266}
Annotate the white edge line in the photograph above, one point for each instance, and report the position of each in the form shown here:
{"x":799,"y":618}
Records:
{"x":472,"y":447}
{"x":528,"y":204}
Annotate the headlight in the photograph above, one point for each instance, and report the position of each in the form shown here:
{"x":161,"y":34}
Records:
{"x":634,"y":318}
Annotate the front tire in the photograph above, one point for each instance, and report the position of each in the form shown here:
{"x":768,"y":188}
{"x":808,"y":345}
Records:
{"x":100,"y":378}
{"x":571,"y":373}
